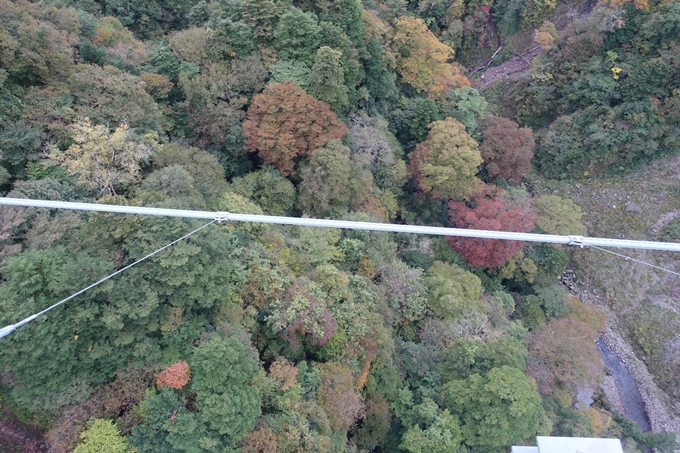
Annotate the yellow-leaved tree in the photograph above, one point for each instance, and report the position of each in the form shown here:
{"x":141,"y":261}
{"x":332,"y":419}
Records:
{"x":100,"y":159}
{"x":423,"y":61}
{"x":445,"y":165}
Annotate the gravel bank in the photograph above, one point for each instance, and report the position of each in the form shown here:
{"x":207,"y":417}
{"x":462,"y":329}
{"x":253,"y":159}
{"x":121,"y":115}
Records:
{"x":659,"y":416}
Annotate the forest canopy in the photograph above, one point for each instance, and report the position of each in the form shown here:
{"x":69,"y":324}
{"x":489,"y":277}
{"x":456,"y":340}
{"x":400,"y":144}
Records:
{"x":264,"y":338}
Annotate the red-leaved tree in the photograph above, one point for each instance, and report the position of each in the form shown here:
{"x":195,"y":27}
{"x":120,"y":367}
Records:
{"x":488,"y":212}
{"x":284,"y":122}
{"x":175,"y":376}
{"x":507,"y":149}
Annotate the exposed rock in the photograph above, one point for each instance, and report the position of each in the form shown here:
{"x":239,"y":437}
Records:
{"x":633,"y":208}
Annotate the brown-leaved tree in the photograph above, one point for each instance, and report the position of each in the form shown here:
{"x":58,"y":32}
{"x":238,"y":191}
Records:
{"x":343,"y":404}
{"x":284,"y":122}
{"x":507,"y":149}
{"x":563,"y":350}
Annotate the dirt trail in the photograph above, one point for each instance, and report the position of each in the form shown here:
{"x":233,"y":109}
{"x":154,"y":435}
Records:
{"x":19,"y":437}
{"x":514,"y":69}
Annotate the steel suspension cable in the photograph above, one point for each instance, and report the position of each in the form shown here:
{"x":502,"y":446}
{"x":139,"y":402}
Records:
{"x":8,"y":329}
{"x":580,"y":241}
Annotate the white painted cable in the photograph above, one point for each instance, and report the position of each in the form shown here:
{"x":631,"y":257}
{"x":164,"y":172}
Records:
{"x":388,"y":227}
{"x":630,"y":258}
{"x":8,"y":329}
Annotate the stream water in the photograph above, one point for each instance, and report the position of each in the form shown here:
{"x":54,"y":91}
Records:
{"x":630,"y":394}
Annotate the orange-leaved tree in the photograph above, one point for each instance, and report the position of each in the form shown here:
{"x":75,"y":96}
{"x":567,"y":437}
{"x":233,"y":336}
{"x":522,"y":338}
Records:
{"x":488,"y":212}
{"x":445,"y":165}
{"x":175,"y":376}
{"x":423,"y":61}
{"x":284,"y":122}
{"x":507,"y":149}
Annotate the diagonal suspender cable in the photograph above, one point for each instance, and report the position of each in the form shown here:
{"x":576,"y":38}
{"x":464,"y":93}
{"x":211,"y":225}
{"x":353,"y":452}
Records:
{"x":7,"y":330}
{"x":628,"y":258}
{"x":580,"y":241}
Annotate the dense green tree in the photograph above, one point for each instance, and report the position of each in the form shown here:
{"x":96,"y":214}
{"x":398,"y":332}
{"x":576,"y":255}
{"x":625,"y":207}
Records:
{"x":466,"y":105}
{"x":334,"y":37}
{"x":346,"y":14}
{"x":553,"y":299}
{"x":425,"y":114}
{"x":164,"y":61}
{"x":297,"y":36}
{"x":268,"y":188}
{"x":227,"y":39}
{"x":379,"y":81}
{"x":223,"y":367}
{"x":531,"y":312}
{"x":168,"y":427}
{"x":262,"y":17}
{"x":227,"y":404}
{"x":290,"y":71}
{"x":109,"y":96}
{"x":495,"y":410}
{"x":435,"y":430}
{"x":332,"y":182}
{"x":20,"y":144}
{"x":48,"y":377}
{"x":451,"y":290}
{"x":232,"y":154}
{"x":463,"y":358}
{"x":326,"y":80}
{"x":375,"y":427}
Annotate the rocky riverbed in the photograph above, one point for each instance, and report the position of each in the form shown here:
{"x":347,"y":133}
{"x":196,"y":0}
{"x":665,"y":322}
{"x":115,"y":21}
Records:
{"x":627,"y":393}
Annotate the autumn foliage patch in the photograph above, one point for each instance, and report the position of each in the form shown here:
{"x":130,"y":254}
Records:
{"x":488,"y":213}
{"x":175,"y":376}
{"x":284,"y":122}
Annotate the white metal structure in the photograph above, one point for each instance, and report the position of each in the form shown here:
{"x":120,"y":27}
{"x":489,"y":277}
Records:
{"x":549,"y":444}
{"x":388,"y":227}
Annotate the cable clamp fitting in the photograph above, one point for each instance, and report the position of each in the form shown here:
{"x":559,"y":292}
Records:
{"x":222,"y":217}
{"x":576,"y":240}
